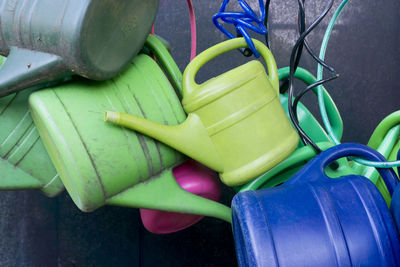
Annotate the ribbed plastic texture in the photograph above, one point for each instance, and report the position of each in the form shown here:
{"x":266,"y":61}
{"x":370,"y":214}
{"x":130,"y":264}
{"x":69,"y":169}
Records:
{"x":313,"y":220}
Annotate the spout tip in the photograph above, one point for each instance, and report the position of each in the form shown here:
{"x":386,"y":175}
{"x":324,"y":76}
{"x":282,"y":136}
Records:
{"x":111,"y":116}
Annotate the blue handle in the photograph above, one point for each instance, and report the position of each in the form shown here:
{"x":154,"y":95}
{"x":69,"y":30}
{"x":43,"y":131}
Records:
{"x":395,"y":204}
{"x":314,"y":170}
{"x":398,"y":159}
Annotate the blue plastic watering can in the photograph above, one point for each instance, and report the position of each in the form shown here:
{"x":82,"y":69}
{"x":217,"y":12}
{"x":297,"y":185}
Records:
{"x":312,"y":220}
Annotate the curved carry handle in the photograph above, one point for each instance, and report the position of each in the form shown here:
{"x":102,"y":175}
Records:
{"x":383,"y":128}
{"x":395,"y":203}
{"x":226,"y":46}
{"x":398,"y":158}
{"x":299,"y":156}
{"x":166,"y":62}
{"x":314,"y":170}
{"x":394,"y":154}
{"x":385,"y":148}
{"x":308,"y":78}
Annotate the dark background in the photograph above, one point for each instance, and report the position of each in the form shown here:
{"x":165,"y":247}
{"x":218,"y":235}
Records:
{"x":364,"y":49}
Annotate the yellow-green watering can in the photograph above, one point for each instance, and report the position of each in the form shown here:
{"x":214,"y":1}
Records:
{"x":236,"y":124}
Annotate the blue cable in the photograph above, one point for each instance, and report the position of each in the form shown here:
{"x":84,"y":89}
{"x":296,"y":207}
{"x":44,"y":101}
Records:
{"x":242,"y":21}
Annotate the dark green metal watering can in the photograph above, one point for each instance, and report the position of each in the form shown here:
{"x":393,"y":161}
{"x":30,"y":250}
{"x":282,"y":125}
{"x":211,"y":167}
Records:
{"x":50,"y":40}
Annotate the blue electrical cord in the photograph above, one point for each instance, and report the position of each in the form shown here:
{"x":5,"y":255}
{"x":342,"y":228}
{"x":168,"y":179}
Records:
{"x":242,"y":20}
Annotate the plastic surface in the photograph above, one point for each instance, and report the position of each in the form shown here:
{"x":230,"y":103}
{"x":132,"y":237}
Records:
{"x":393,"y":155}
{"x":395,"y":204}
{"x":156,"y":46}
{"x":102,"y":164}
{"x":191,"y":176}
{"x":194,"y":178}
{"x":292,"y":164}
{"x":382,"y":138}
{"x":24,"y":162}
{"x":236,"y":124}
{"x":387,"y":147}
{"x":49,"y":40}
{"x":313,"y":220}
{"x":285,"y":169}
{"x":331,"y":109}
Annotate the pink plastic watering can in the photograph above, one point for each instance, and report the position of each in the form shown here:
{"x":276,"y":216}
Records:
{"x":194,"y":178}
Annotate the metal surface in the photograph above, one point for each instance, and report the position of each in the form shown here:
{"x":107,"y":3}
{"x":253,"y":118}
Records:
{"x":50,"y":40}
{"x":364,"y":48}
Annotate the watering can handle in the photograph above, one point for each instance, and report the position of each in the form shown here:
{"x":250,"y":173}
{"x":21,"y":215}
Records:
{"x":300,"y":155}
{"x":383,"y":127}
{"x":333,"y":113}
{"x":226,"y":46}
{"x":314,"y":170}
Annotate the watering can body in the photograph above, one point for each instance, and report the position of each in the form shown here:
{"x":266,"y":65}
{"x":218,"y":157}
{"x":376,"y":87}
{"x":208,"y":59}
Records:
{"x":24,"y":162}
{"x":102,"y":164}
{"x":49,"y":40}
{"x":288,"y":167}
{"x":91,"y":156}
{"x":235,"y":125}
{"x":312,"y":220}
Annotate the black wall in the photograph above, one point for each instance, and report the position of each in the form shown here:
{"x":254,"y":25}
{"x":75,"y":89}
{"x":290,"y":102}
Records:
{"x":364,"y":49}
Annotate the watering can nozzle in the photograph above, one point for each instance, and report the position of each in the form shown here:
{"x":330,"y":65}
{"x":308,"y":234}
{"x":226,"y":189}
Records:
{"x":190,"y":137}
{"x":25,"y":68}
{"x":112,"y":116}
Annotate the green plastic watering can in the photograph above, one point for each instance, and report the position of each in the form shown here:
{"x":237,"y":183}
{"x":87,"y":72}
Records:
{"x":47,"y":41}
{"x":102,"y":164}
{"x":24,"y":163}
{"x":385,"y":139}
{"x":236,"y":124}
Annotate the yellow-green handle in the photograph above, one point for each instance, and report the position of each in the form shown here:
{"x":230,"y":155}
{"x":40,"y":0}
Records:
{"x":189,"y":75}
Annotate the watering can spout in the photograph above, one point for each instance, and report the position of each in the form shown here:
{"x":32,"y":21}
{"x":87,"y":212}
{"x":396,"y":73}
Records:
{"x":26,"y":68}
{"x":190,"y":137}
